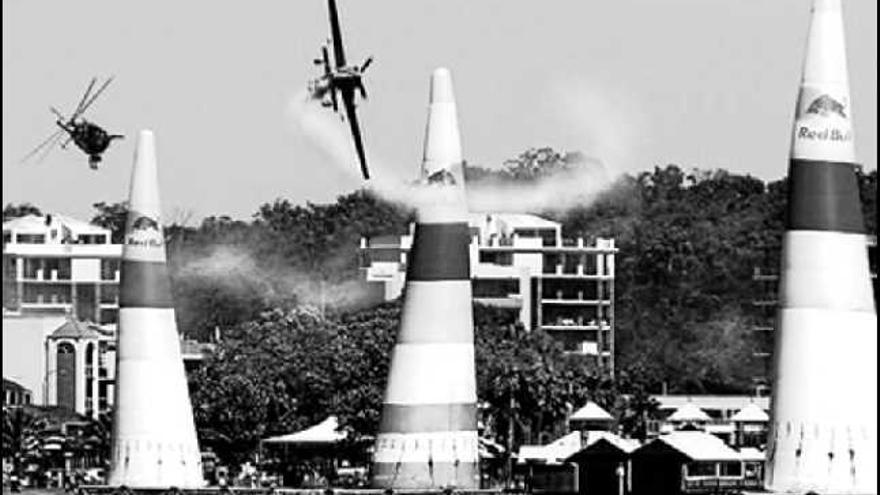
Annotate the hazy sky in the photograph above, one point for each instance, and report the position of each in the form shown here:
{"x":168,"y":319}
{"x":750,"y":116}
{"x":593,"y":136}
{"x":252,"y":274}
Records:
{"x":705,"y":83}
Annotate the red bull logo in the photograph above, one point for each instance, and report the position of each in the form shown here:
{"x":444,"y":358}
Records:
{"x":825,"y":106}
{"x":144,"y":231}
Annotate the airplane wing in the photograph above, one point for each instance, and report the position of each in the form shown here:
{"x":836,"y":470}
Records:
{"x":338,"y":52}
{"x":348,"y":101}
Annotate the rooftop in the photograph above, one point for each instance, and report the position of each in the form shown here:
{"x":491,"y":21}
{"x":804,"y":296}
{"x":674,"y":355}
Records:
{"x":38,"y":224}
{"x":689,"y":412}
{"x":11,"y":385}
{"x":591,"y":412}
{"x":697,"y":446}
{"x":510,"y":221}
{"x":712,"y":402}
{"x":751,"y":413}
{"x":73,"y":329}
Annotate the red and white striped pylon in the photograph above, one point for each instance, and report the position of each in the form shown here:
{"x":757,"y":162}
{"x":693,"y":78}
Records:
{"x":823,"y":432}
{"x":154,"y":441}
{"x":428,"y":432}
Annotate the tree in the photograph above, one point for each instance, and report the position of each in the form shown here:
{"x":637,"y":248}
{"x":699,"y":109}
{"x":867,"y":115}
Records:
{"x":112,"y":216}
{"x":23,"y":430}
{"x":11,"y":211}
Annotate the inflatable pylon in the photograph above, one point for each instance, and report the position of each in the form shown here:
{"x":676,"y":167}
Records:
{"x":154,"y":441}
{"x":428,"y":432}
{"x":823,"y":431}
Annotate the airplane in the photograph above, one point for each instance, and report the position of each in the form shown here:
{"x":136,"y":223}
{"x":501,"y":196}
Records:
{"x":342,"y":79}
{"x":87,"y":136}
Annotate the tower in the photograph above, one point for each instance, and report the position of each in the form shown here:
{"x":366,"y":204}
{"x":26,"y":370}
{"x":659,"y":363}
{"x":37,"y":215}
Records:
{"x":428,"y":432}
{"x":824,"y":406}
{"x":154,"y":436}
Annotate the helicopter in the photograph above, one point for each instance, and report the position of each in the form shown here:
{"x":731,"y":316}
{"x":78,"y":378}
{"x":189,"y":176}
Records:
{"x":87,"y":136}
{"x":343,"y":79}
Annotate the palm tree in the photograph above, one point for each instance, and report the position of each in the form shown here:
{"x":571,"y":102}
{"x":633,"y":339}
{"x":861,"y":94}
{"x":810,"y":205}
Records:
{"x":23,"y":431}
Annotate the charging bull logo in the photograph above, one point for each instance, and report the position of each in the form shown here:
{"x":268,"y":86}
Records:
{"x":825,"y":105}
{"x":144,"y":231}
{"x":442,"y":176}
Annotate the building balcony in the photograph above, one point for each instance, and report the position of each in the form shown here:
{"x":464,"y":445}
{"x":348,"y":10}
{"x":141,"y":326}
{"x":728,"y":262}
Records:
{"x":575,"y":325}
{"x":65,"y":250}
{"x":519,"y":249}
{"x":574,"y":276}
{"x":511,"y":302}
{"x":45,"y":305}
{"x":577,"y":302}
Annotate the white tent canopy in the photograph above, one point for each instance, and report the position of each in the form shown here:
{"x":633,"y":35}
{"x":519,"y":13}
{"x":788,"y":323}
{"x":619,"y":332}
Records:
{"x":325,"y":432}
{"x":689,"y":412}
{"x":751,"y":413}
{"x":592,"y":412}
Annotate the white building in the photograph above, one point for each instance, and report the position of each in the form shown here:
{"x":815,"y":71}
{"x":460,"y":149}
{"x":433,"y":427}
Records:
{"x":739,"y":420}
{"x":521,"y":262}
{"x":54,"y":268}
{"x":81,"y":366}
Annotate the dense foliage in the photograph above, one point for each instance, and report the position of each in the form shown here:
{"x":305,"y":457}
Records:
{"x":298,"y":341}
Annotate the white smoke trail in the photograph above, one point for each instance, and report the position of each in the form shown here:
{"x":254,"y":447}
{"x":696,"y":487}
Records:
{"x":323,"y":129}
{"x":237,"y":268}
{"x":598,"y":122}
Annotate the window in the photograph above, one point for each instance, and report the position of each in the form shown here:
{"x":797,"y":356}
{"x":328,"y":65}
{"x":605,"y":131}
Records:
{"x":108,"y":316}
{"x":9,"y":267}
{"x":30,"y":238}
{"x":31,"y":265}
{"x":109,"y":294}
{"x":92,"y":239}
{"x":731,"y":469}
{"x":109,"y":267}
{"x":701,"y":469}
{"x":7,"y":237}
{"x":495,"y":288}
{"x":64,"y":269}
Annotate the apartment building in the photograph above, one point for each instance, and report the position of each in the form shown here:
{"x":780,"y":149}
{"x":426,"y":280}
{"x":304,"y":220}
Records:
{"x":522,"y":263}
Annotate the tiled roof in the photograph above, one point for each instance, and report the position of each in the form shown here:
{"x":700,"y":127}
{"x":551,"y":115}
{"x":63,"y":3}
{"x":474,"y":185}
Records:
{"x":698,"y":446}
{"x":689,"y":412}
{"x":592,"y":411}
{"x":73,"y":329}
{"x":751,"y":413}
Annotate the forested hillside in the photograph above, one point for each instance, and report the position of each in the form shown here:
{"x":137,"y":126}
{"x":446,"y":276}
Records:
{"x":297,"y":341}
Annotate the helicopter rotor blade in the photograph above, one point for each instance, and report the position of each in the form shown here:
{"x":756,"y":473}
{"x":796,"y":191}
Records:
{"x":85,"y":96}
{"x":326,"y":56}
{"x":93,"y":98}
{"x":50,"y":147}
{"x":45,"y":144}
{"x":58,"y":114}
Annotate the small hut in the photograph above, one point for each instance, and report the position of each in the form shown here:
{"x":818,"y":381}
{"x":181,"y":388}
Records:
{"x":604,"y":465}
{"x":687,"y":462}
{"x":688,"y":417}
{"x":750,"y":424}
{"x":591,"y":417}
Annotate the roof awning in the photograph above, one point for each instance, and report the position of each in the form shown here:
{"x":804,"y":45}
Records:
{"x":326,"y":432}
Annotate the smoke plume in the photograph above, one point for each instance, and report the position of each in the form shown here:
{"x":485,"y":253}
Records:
{"x":237,"y":270}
